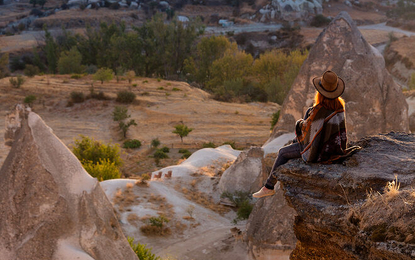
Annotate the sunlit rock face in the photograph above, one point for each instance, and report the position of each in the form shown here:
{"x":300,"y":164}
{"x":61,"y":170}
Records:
{"x":50,"y":207}
{"x":374,"y":102}
{"x":348,"y":211}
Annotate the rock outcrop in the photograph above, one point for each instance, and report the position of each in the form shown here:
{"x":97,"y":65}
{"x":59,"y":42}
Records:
{"x":247,"y":174}
{"x":290,"y":10}
{"x":269,"y":229}
{"x":50,"y":207}
{"x":344,"y":211}
{"x":374,"y":103}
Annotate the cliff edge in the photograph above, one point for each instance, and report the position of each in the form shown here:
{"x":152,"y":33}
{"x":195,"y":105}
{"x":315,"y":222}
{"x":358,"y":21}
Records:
{"x":361,"y":209}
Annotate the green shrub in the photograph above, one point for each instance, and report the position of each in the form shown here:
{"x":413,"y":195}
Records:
{"x":165,"y":149}
{"x":103,"y":170}
{"x":186,"y":155}
{"x":176,"y":89}
{"x":120,"y":113}
{"x":411,"y":83}
{"x":160,"y":88}
{"x":18,"y":81}
{"x":125,"y":97}
{"x":159,"y":154}
{"x":103,"y":74}
{"x":132,"y":144}
{"x":130,"y":76}
{"x":244,"y":210}
{"x":243,"y":203}
{"x":208,"y":145}
{"x":231,"y":143}
{"x":87,"y":149}
{"x":135,"y":85}
{"x":99,"y":96}
{"x":76,"y":76}
{"x":320,"y":21}
{"x":158,"y":221}
{"x":77,"y":97}
{"x":155,"y":142}
{"x":142,"y":251}
{"x":274,"y":119}
{"x":91,"y":69}
{"x":31,"y":70}
{"x":29,"y":99}
{"x":182,"y":150}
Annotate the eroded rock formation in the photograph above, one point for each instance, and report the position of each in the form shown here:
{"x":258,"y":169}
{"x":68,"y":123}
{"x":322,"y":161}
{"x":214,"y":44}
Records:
{"x":344,"y":210}
{"x":269,"y":230}
{"x":50,"y":207}
{"x":246,"y":174}
{"x":374,"y":103}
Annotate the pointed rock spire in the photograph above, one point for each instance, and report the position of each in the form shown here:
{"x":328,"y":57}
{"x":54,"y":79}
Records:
{"x":50,"y":207}
{"x":374,"y":103}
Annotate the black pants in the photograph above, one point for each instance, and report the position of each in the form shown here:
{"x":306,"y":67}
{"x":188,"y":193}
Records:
{"x":285,"y":153}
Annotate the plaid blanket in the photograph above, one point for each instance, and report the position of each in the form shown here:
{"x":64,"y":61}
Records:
{"x":322,"y":135}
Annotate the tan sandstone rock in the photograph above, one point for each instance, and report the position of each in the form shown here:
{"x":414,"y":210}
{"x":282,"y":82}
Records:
{"x":374,"y":103}
{"x":50,"y":207}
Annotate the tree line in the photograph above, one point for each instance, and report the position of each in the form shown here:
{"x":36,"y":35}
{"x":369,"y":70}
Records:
{"x":171,"y":50}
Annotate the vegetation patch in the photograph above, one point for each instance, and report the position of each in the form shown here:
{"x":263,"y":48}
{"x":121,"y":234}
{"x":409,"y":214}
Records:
{"x":132,"y":144}
{"x":125,"y":97}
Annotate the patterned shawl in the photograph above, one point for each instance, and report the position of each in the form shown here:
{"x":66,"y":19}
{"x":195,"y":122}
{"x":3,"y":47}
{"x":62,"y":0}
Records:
{"x":322,"y":135}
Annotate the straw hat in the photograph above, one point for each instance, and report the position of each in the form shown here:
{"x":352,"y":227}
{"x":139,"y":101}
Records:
{"x":329,"y":85}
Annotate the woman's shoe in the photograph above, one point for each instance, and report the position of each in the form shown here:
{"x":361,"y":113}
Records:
{"x":263,"y":192}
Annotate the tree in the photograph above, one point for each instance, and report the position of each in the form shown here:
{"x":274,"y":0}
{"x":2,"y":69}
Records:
{"x":124,"y":126}
{"x":182,"y":130}
{"x":70,"y":62}
{"x":4,"y":62}
{"x":130,"y":76}
{"x":120,"y":113}
{"x":208,"y":50}
{"x":234,"y":64}
{"x":51,"y":50}
{"x":103,"y":74}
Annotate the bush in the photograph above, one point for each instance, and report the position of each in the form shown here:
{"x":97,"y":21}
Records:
{"x":155,"y":143}
{"x":99,"y":96}
{"x":132,"y":144}
{"x":76,"y":76}
{"x":125,"y":125}
{"x":160,"y":154}
{"x":29,"y":100}
{"x":320,"y":21}
{"x":182,"y":150}
{"x":120,"y":113}
{"x":87,"y":149}
{"x":274,"y":119}
{"x":208,"y":145}
{"x":103,"y":74}
{"x":130,"y":76}
{"x":243,"y":203}
{"x":103,"y":170}
{"x":31,"y":70}
{"x":77,"y":97}
{"x":231,"y":143}
{"x":125,"y":97}
{"x":91,"y":69}
{"x":142,"y":251}
{"x":186,"y":155}
{"x":17,"y":64}
{"x":411,"y":83}
{"x":165,"y":149}
{"x":18,"y":81}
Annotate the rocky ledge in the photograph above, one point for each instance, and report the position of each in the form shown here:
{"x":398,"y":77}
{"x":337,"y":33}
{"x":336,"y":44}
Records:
{"x":355,"y":210}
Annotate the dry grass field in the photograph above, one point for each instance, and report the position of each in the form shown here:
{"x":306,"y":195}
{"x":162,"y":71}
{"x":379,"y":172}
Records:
{"x":159,"y":106}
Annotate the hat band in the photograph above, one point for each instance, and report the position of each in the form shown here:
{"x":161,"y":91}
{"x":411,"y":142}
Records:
{"x":321,"y":85}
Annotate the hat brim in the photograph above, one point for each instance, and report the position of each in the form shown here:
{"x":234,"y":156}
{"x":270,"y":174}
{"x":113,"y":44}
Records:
{"x":329,"y":94}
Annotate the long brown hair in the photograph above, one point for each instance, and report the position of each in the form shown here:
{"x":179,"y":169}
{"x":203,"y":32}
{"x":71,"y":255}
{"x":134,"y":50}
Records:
{"x":332,"y":104}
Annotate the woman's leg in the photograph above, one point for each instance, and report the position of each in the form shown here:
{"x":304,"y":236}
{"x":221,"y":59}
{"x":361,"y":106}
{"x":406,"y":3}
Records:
{"x":285,"y":153}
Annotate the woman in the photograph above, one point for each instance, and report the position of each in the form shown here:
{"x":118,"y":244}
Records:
{"x":321,"y":135}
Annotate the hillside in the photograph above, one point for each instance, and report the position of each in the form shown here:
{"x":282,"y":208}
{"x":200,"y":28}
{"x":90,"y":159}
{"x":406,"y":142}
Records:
{"x":158,"y":107}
